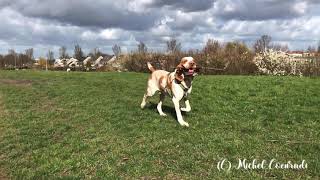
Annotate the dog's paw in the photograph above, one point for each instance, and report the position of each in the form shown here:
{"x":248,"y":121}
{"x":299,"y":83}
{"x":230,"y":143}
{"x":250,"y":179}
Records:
{"x":186,"y":124}
{"x":185,"y":109}
{"x":142,"y":105}
{"x":163,"y":114}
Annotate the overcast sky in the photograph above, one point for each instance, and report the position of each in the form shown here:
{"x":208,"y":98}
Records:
{"x":49,"y":24}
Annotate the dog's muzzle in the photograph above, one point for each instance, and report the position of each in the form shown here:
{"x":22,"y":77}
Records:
{"x":190,"y":72}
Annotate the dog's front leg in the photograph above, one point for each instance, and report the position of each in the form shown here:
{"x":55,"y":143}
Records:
{"x":188,"y":107}
{"x":178,"y":112}
{"x":159,"y":106}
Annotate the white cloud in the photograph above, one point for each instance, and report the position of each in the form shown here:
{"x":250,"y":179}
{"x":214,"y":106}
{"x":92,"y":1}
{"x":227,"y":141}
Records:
{"x":139,"y":6}
{"x":109,"y":34}
{"x":49,"y":24}
{"x":300,"y":7}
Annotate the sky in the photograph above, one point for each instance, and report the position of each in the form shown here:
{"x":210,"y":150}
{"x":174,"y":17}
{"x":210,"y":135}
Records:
{"x":49,"y":24}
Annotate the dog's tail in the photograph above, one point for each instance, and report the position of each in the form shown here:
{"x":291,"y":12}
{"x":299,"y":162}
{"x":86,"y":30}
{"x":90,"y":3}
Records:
{"x":151,"y":68}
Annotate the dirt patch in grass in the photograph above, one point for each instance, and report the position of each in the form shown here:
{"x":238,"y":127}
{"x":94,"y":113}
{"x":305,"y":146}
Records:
{"x":3,"y":175}
{"x":14,"y":82}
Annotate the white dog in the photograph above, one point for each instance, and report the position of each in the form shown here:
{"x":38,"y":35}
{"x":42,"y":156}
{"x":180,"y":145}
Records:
{"x":177,"y":84}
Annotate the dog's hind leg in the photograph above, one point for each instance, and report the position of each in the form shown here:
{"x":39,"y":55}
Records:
{"x":144,"y":101}
{"x":150,"y":92}
{"x":188,"y":107}
{"x":159,"y":106}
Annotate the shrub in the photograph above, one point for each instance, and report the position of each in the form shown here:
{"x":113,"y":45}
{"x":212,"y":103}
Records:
{"x":280,"y":63}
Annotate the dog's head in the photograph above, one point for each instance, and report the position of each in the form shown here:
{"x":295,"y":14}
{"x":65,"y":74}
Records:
{"x":187,"y":63}
{"x":186,"y":67}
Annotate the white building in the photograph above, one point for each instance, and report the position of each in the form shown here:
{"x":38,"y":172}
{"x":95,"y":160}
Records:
{"x":72,"y":62}
{"x":86,"y":61}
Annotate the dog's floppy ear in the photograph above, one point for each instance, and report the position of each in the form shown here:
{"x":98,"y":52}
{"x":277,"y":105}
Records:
{"x":179,"y":73}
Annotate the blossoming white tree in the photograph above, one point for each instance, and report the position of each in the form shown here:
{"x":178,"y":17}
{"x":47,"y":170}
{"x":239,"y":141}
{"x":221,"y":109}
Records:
{"x":279,"y":63}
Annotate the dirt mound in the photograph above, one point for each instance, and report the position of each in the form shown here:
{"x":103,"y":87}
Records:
{"x":16,"y":82}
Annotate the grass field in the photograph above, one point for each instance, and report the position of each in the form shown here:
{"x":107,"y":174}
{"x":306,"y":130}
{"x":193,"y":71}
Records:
{"x":81,"y":125}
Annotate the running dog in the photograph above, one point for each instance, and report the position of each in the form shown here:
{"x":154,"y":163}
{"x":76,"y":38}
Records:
{"x":177,"y":85}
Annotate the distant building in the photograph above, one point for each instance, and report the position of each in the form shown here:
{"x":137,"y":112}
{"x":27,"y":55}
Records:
{"x":98,"y":62}
{"x":295,"y":54}
{"x":59,"y":63}
{"x":72,"y":62}
{"x":101,"y":61}
{"x":300,"y":54}
{"x":309,"y":54}
{"x":87,"y":60}
{"x":112,"y":60}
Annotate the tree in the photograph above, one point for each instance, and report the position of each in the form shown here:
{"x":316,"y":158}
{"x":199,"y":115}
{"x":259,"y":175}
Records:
{"x":173,"y":46}
{"x":211,"y":47}
{"x":279,"y":47}
{"x":63,"y":52}
{"x":50,"y":57}
{"x":29,"y":53}
{"x":262,"y":44}
{"x":11,"y":52}
{"x":78,"y":53}
{"x":239,"y":58}
{"x":13,"y":55}
{"x":1,"y":61}
{"x":311,"y":49}
{"x":96,"y":53}
{"x":42,"y":62}
{"x":116,"y":50}
{"x":318,"y":49}
{"x":142,"y":48}
{"x":26,"y":59}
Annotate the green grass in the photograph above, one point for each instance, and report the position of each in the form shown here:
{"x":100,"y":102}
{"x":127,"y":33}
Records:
{"x":82,"y":125}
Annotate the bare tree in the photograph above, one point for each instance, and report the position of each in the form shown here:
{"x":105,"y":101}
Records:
{"x":78,"y":53}
{"x":311,"y":49}
{"x":142,"y":48}
{"x":116,"y":50}
{"x":211,"y":47}
{"x":262,"y":44}
{"x":13,"y":55}
{"x":173,"y":46}
{"x":29,"y":53}
{"x":318,"y":49}
{"x":285,"y":48}
{"x":63,"y":52}
{"x":96,"y":53}
{"x":11,"y":52}
{"x":279,"y":47}
{"x":50,"y":56}
{"x":1,"y":61}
